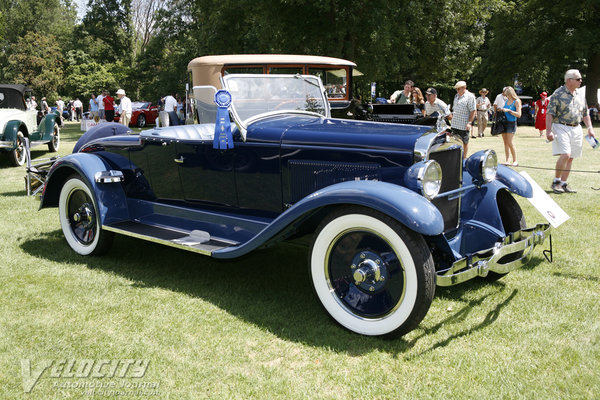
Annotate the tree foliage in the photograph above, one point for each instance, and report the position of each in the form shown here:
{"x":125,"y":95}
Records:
{"x":539,"y":41}
{"x":36,"y":61}
{"x":144,"y":46}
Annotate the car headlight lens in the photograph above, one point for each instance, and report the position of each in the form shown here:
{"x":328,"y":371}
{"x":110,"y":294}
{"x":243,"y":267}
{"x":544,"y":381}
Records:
{"x":430,"y":179}
{"x":489,"y":166}
{"x":483,"y":165}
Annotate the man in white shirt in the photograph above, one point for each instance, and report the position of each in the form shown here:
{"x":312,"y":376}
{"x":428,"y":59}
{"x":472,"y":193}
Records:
{"x":99,"y":98}
{"x":60,"y":106}
{"x":170,"y":103}
{"x":500,"y":100}
{"x":125,"y":108}
{"x":171,"y":108}
{"x":78,"y":105}
{"x":433,"y":104}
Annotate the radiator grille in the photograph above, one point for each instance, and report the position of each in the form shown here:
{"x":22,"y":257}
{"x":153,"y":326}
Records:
{"x":451,"y":163}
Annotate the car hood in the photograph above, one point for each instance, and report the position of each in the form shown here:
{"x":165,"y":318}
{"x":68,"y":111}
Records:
{"x":323,"y":132}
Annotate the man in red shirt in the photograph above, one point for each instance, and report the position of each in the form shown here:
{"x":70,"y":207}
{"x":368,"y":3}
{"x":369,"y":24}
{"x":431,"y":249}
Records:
{"x":109,"y":107}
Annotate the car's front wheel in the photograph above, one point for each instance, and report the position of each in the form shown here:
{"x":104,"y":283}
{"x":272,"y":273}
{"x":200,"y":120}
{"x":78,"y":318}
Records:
{"x":372,"y":275}
{"x":18,"y":156}
{"x":79,"y":219}
{"x":141,"y":121}
{"x":54,"y":144}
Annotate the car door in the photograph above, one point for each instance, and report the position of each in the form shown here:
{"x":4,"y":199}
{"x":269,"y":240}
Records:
{"x":162,"y":168}
{"x":207,"y":174}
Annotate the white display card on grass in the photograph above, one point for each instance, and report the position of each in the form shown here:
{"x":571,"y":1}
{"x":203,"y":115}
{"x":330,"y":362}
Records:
{"x":544,"y":203}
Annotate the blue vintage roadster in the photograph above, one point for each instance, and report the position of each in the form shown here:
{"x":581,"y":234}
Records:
{"x":392,"y":209}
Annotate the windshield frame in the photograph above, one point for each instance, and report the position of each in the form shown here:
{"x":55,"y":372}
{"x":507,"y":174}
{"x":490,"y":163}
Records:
{"x":243,"y":124}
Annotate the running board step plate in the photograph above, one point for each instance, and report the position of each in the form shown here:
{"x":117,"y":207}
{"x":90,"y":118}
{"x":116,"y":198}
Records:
{"x":196,"y":241}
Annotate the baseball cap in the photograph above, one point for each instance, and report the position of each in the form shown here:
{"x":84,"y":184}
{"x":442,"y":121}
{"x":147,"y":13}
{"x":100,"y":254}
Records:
{"x":431,"y":91}
{"x":460,"y":84}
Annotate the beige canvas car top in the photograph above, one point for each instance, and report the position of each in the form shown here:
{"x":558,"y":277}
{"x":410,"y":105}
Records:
{"x":207,"y":70}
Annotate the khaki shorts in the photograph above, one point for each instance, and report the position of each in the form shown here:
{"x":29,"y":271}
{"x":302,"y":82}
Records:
{"x":124,"y":119}
{"x":567,"y":140}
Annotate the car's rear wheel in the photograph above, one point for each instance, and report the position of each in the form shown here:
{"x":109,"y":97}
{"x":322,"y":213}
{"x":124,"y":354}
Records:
{"x":18,"y":156}
{"x":372,"y":275}
{"x":513,"y":220}
{"x":79,"y":219}
{"x":141,"y":121}
{"x":54,"y":144}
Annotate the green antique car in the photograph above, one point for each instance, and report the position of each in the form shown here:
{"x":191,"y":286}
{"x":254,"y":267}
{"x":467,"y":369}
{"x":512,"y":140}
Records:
{"x":17,"y":122}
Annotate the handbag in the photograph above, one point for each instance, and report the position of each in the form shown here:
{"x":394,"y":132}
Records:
{"x":498,"y":126}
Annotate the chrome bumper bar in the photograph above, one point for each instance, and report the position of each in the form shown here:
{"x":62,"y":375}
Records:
{"x":482,"y":262}
{"x":8,"y":144}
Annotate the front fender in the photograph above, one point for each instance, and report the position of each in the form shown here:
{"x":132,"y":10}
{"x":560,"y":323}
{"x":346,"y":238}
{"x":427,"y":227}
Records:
{"x":110,"y":197}
{"x":406,"y":206}
{"x":514,"y":181}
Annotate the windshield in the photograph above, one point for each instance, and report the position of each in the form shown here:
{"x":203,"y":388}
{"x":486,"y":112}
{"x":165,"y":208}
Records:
{"x":254,"y":95}
{"x":137,"y":105}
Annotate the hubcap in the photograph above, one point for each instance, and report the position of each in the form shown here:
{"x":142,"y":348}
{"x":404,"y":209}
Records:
{"x":82,"y":217}
{"x":365,"y":274}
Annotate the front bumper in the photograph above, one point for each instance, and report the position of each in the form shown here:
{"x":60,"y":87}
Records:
{"x":6,"y":144}
{"x":481,"y":263}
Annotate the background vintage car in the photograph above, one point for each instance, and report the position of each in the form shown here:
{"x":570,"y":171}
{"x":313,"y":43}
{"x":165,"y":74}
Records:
{"x":18,"y":123}
{"x":144,"y":113}
{"x":387,"y":211}
{"x":336,"y":74}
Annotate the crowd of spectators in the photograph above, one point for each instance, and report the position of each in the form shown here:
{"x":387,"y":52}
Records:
{"x":566,"y":108}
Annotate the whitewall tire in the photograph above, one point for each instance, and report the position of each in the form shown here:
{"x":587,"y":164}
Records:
{"x":78,"y":213}
{"x":372,"y":275}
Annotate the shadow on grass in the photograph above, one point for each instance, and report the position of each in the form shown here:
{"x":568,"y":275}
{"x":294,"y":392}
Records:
{"x":268,"y":288}
{"x":460,"y":316}
{"x":577,"y":277}
{"x":19,"y":193}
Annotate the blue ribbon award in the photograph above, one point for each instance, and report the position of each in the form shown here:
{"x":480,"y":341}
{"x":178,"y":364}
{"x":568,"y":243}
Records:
{"x":223,"y":139}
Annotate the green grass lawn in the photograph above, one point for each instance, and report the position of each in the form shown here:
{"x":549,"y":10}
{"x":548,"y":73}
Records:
{"x":252,"y":328}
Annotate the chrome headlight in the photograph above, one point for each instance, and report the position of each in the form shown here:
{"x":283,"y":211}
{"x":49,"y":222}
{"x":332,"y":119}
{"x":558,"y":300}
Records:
{"x":425,"y":177}
{"x":483,"y":165}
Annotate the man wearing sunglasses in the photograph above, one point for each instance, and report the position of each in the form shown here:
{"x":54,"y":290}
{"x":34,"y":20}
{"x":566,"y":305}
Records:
{"x":566,"y":110}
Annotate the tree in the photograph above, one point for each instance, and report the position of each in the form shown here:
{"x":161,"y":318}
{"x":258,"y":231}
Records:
{"x":539,"y":41}
{"x":36,"y":62}
{"x":108,"y":24}
{"x":145,"y":14}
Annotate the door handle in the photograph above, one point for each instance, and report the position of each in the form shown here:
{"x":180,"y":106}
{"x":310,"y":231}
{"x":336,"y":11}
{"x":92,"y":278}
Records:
{"x":179,"y":160}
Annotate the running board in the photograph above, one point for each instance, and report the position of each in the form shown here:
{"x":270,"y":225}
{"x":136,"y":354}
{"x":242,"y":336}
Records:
{"x":196,"y":241}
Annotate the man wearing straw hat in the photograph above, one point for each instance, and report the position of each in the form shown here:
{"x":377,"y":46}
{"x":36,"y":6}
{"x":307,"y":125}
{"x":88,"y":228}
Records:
{"x":483,"y":107}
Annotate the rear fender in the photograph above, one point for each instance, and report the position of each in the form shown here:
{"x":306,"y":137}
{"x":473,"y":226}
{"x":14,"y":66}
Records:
{"x":46,"y":127}
{"x":406,"y":206}
{"x":110,"y":197}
